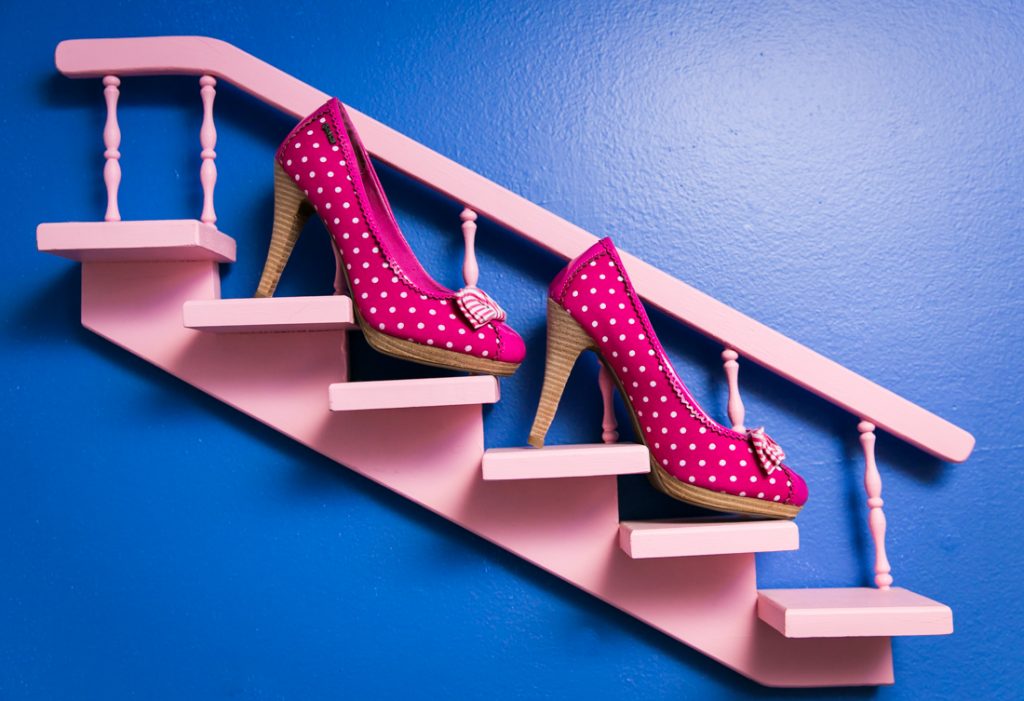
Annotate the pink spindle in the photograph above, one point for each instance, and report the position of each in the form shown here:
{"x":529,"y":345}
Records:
{"x":470,"y":270}
{"x":732,"y":375}
{"x":876,"y":517}
{"x":111,"y":143}
{"x":208,"y":140}
{"x":609,"y":434}
{"x":340,"y":284}
{"x":340,"y":287}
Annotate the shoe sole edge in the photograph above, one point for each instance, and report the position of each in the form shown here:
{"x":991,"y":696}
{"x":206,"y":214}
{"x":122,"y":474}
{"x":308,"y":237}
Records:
{"x":435,"y":357}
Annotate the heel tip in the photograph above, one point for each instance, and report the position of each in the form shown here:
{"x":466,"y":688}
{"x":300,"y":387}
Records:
{"x":536,"y":441}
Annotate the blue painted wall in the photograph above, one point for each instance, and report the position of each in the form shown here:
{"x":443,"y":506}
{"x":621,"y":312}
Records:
{"x":848,"y":172}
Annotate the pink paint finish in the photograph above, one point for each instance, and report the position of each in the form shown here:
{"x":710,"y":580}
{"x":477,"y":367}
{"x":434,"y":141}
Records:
{"x":112,"y":144}
{"x":876,"y":517}
{"x":565,"y":461}
{"x":737,"y":412}
{"x":269,"y":314}
{"x":395,"y":296}
{"x":173,"y":239}
{"x":644,"y":539}
{"x":567,"y":527}
{"x":426,"y":392}
{"x":686,"y":443}
{"x":854,"y":612}
{"x":470,"y":267}
{"x":609,"y":425}
{"x":193,"y":55}
{"x":208,"y":140}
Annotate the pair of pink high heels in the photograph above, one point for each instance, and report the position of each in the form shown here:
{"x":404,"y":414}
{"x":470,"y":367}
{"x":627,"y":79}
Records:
{"x":322,"y":167}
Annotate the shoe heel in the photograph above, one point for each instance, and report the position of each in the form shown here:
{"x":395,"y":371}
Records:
{"x":291,"y":211}
{"x":566,"y":340}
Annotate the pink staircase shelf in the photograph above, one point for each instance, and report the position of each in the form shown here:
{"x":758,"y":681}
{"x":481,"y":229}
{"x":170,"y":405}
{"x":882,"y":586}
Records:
{"x":854,"y":612}
{"x":566,"y":527}
{"x":678,"y":538}
{"x":127,"y":241}
{"x":696,"y":581}
{"x":426,"y":392}
{"x":565,"y":461}
{"x":269,"y":314}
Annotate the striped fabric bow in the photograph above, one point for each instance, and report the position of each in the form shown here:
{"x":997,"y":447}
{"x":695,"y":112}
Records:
{"x":477,"y":306}
{"x":768,"y":452}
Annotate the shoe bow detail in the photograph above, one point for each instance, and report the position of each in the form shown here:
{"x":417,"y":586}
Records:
{"x":769,"y":453}
{"x":478,"y":307}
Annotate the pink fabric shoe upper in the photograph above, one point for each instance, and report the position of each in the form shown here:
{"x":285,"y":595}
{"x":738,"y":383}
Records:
{"x":595,"y":289}
{"x":392,"y":291}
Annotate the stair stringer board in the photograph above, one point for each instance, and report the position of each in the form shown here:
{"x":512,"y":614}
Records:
{"x":568,"y":527}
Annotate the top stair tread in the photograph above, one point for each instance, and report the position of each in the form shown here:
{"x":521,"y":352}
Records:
{"x":136,"y":241}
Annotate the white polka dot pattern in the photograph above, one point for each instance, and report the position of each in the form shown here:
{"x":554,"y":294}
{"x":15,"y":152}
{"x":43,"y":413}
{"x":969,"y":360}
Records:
{"x":692,"y":447}
{"x":389,"y":287}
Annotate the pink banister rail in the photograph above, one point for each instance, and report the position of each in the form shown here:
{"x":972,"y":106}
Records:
{"x":191,"y":55}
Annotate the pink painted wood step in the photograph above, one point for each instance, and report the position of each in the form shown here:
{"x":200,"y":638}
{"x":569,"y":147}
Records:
{"x":587,"y":460}
{"x":402,"y":394}
{"x":124,"y":241}
{"x":852,"y":612}
{"x":269,"y":314}
{"x":563,"y":526}
{"x":692,"y":537}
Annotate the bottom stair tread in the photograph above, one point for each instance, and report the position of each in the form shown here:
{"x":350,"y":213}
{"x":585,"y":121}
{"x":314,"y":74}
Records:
{"x":852,"y":612}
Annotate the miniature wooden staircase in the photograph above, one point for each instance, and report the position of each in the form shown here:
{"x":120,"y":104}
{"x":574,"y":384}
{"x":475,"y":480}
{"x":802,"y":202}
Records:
{"x":153,"y":289}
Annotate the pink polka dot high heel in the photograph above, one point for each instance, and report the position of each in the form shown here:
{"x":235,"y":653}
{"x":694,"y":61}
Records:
{"x":323,"y":168}
{"x":592,"y":306}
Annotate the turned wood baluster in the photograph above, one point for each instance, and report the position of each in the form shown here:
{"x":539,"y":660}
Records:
{"x":111,"y":143}
{"x":732,"y":375}
{"x":208,"y":140}
{"x":470,"y":270}
{"x":340,"y":285}
{"x":876,"y":517}
{"x":609,"y":434}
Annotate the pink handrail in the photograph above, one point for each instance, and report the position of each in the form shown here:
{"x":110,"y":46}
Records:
{"x":192,"y":55}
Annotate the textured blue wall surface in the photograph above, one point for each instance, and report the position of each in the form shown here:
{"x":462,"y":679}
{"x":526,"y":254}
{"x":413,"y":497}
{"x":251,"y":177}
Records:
{"x":849,"y":173}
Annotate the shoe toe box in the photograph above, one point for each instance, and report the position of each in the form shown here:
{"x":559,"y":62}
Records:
{"x":798,"y":492}
{"x":511,"y":347}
